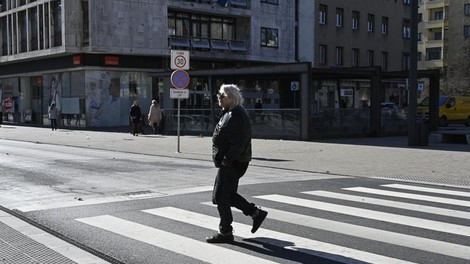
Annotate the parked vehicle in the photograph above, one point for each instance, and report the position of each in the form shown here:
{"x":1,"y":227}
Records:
{"x":392,"y":111}
{"x":452,"y":110}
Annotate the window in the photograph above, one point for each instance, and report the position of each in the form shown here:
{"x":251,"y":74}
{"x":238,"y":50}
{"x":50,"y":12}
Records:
{"x":272,"y":2}
{"x":420,"y":17}
{"x":407,"y":2}
{"x":322,"y":54}
{"x":370,"y":22}
{"x":420,"y":55}
{"x":370,"y":58}
{"x":405,"y":63}
{"x":339,"y":17}
{"x":339,"y":56}
{"x":466,"y":9}
{"x":384,"y":29}
{"x":419,"y":36}
{"x":439,"y":15}
{"x":406,"y":28}
{"x":86,"y":24}
{"x":56,"y":16}
{"x":355,"y":58}
{"x":433,"y":54}
{"x":269,"y":37}
{"x":384,"y":61}
{"x":201,"y":26}
{"x":322,"y":14}
{"x":466,"y":31}
{"x":355,"y":19}
{"x":437,"y":35}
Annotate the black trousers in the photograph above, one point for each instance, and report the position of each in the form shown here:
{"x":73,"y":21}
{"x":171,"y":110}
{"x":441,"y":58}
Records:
{"x":54,"y":124}
{"x":225,"y":194}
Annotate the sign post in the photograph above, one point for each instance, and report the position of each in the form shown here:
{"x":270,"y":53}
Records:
{"x":180,"y":80}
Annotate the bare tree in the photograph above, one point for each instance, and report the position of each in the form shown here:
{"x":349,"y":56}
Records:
{"x":457,"y":79}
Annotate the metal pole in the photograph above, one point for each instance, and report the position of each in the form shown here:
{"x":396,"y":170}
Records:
{"x":178,"y":128}
{"x":413,"y":73}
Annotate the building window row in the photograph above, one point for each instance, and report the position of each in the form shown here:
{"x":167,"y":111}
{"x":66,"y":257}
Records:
{"x":370,"y":23}
{"x":224,"y":3}
{"x":35,"y":28}
{"x":200,"y":31}
{"x":355,"y":57}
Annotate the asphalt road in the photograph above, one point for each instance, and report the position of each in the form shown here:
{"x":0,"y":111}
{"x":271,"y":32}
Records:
{"x":141,"y":208}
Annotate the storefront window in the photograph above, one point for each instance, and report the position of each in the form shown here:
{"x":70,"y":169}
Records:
{"x":9,"y":92}
{"x":109,"y":96}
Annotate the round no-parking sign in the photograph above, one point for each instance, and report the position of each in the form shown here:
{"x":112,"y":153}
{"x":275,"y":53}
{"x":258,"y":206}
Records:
{"x":179,"y":79}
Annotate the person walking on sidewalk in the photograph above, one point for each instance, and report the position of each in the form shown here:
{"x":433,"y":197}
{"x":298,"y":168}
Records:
{"x":53,"y":112}
{"x":135,"y":114}
{"x":155,"y":117}
{"x":231,"y":153}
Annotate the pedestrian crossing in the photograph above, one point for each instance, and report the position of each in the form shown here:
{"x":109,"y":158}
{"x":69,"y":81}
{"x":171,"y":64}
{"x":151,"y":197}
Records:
{"x":433,"y":215}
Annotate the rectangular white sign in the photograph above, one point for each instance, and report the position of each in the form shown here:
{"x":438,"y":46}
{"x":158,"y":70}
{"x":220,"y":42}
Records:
{"x":179,"y":93}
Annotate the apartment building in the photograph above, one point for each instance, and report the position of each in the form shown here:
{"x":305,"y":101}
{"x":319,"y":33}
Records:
{"x":93,"y":58}
{"x":356,"y":34}
{"x":444,"y":42}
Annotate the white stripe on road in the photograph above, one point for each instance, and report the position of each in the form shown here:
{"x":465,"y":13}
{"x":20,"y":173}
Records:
{"x":300,"y":244}
{"x":435,"y":246}
{"x":394,"y":204}
{"x":410,"y":196}
{"x":427,"y":189}
{"x":192,"y":248}
{"x":371,"y":214}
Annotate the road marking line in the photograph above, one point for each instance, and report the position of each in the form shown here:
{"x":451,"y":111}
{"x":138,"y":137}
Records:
{"x":419,"y":197}
{"x":300,"y":244}
{"x":426,"y":244}
{"x":371,"y":214}
{"x":179,"y":244}
{"x":427,"y":189}
{"x":394,"y":204}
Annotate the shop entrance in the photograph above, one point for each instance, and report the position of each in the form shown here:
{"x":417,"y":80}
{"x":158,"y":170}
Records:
{"x":35,"y":115}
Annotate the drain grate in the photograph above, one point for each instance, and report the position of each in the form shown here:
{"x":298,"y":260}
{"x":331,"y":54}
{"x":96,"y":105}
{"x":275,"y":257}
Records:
{"x":447,"y":182}
{"x":18,"y":248}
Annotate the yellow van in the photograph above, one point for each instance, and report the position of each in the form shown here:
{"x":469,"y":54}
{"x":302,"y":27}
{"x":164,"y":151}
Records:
{"x":452,"y":110}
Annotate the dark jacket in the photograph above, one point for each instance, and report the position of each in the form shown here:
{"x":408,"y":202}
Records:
{"x":231,"y":140}
{"x":135,"y":113}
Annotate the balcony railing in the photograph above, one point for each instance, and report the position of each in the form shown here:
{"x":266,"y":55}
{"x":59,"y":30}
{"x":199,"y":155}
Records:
{"x":207,"y":44}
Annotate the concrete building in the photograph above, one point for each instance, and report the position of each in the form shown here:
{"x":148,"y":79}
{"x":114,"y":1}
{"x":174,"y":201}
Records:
{"x":444,"y":42}
{"x":93,"y":58}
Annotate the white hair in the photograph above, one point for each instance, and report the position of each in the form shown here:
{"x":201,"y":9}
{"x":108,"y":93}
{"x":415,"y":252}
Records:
{"x":233,"y":93}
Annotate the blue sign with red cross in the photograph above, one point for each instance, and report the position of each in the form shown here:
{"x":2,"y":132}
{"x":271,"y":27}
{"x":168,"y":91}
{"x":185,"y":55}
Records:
{"x":180,"y":79}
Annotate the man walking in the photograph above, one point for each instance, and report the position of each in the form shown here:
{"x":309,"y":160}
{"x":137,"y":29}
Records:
{"x":231,"y":153}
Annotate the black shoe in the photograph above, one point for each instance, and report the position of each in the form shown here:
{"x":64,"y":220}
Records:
{"x":220,"y":238}
{"x":258,"y":220}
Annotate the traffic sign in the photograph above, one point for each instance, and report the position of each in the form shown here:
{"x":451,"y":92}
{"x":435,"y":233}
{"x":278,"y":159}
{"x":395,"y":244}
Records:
{"x":179,"y":60}
{"x":179,"y":93}
{"x":179,"y":79}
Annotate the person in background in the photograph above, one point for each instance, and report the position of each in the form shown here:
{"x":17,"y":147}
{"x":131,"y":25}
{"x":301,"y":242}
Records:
{"x":231,"y":153}
{"x":135,"y":115}
{"x":1,"y":111}
{"x":53,"y":112}
{"x":155,"y":117}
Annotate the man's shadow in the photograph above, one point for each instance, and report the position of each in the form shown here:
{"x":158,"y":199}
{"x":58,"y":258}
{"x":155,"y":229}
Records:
{"x":286,"y":250}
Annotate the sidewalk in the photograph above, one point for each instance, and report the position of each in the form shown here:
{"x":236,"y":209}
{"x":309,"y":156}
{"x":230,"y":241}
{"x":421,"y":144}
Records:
{"x":389,"y":157}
